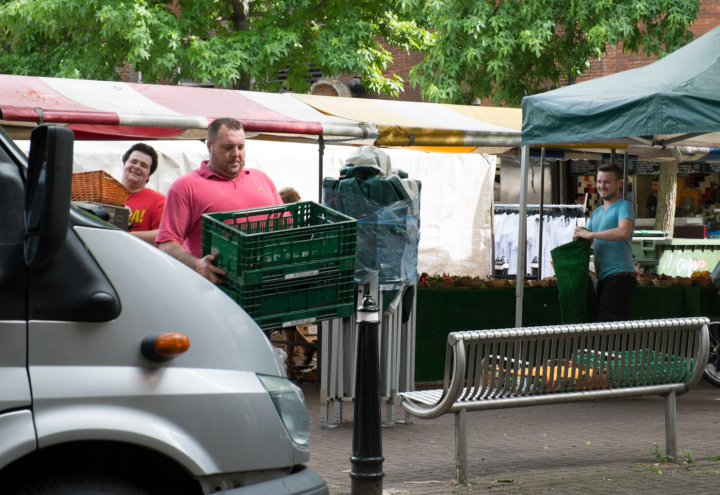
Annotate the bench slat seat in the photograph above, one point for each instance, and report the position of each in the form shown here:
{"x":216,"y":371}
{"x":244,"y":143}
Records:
{"x":519,"y":367}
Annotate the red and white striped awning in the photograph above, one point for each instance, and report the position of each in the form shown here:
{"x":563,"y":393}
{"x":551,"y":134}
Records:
{"x":115,"y":110}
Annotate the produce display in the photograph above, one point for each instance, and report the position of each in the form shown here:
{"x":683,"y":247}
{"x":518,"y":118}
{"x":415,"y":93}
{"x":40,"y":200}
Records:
{"x":699,"y":278}
{"x":700,"y":275}
{"x":445,"y":280}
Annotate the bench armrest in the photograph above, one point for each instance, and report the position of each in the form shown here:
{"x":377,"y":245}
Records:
{"x":703,"y":352}
{"x":450,"y":393}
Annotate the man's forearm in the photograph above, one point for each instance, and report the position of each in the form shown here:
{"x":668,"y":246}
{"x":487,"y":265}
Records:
{"x":176,"y":250}
{"x":616,"y":234}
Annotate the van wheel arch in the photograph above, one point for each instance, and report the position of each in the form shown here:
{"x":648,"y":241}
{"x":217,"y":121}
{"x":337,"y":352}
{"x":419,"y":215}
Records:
{"x":149,"y":470}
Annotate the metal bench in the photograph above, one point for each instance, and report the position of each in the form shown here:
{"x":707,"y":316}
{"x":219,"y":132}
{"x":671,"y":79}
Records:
{"x":495,"y":369}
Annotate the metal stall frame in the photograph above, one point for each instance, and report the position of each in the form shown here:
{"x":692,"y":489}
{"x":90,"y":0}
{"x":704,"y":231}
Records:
{"x":339,"y":342}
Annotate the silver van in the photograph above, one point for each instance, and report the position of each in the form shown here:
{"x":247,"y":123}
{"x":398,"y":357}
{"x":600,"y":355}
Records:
{"x":91,"y":399}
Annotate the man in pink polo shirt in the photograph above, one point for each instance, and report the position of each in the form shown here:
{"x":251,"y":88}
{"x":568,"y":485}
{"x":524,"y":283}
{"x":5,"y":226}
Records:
{"x":220,"y":184}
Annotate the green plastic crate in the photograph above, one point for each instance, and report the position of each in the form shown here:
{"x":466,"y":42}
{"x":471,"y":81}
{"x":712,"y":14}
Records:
{"x":280,"y":242}
{"x":288,"y":264}
{"x":295,"y":302}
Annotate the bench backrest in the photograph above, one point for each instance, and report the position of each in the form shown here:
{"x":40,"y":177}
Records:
{"x":522,"y":362}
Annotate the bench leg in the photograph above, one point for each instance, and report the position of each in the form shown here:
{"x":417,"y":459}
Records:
{"x":670,"y":426}
{"x":461,"y":447}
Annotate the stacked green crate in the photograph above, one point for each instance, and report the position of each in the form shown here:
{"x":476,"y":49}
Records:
{"x":287,"y":264}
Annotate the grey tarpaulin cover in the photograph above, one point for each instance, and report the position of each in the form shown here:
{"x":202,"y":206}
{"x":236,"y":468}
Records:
{"x":387,"y":208}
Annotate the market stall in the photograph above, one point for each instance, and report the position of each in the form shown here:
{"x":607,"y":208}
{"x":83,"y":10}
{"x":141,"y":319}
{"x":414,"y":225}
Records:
{"x":667,"y":111}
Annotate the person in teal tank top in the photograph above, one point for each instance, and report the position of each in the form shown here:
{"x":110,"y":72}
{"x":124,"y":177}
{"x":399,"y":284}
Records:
{"x":610,"y":228}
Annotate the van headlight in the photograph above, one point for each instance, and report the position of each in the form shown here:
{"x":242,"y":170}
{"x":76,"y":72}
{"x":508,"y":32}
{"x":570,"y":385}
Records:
{"x":290,"y":405}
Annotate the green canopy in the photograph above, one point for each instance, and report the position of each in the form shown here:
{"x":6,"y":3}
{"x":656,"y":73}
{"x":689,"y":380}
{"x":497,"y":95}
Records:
{"x":675,"y":100}
{"x":668,"y":110}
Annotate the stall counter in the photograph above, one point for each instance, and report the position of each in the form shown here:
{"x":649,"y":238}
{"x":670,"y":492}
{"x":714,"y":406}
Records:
{"x":441,"y":311}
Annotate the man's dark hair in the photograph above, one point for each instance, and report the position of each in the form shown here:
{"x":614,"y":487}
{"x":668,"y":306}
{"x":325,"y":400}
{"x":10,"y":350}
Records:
{"x":146,"y":150}
{"x":289,"y":195}
{"x":217,"y":124}
{"x":611,"y":167}
{"x":655,"y":179}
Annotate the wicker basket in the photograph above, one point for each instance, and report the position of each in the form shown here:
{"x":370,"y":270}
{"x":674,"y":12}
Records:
{"x":663,"y":283}
{"x":495,"y":284}
{"x":534,"y":283}
{"x":98,"y":187}
{"x":471,"y":283}
{"x":644,"y":281}
{"x":442,"y":285}
{"x":698,"y":282}
{"x":422,"y":285}
{"x":551,"y":282}
{"x":682,"y":281}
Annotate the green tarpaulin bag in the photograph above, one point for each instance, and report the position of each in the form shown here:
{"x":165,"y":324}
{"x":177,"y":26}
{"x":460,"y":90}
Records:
{"x":674,"y":368}
{"x":571,"y":262}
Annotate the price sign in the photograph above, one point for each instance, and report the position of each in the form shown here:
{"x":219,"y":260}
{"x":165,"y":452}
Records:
{"x":647,"y":168}
{"x":582,"y":167}
{"x":690,"y":168}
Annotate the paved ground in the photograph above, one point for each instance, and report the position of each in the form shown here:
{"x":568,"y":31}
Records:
{"x":590,"y":448}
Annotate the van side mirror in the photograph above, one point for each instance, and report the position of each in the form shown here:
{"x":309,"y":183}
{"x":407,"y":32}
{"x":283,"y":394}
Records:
{"x":47,"y":193}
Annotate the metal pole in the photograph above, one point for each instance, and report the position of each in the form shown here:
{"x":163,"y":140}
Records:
{"x":542,"y":197}
{"x":461,"y":447}
{"x":522,"y":236}
{"x":321,"y":152}
{"x":366,"y":473}
{"x":625,"y":169}
{"x":671,"y":426}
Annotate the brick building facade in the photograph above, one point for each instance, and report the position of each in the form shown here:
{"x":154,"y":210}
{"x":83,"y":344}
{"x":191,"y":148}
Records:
{"x":616,"y":61}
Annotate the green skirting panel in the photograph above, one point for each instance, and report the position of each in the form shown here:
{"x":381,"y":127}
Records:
{"x":441,"y":311}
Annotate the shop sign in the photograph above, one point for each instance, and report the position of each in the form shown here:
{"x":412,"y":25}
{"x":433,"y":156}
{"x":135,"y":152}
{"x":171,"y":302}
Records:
{"x":647,"y":168}
{"x":688,"y":168}
{"x":682,"y":263}
{"x":579,"y":168}
{"x":691,"y":168}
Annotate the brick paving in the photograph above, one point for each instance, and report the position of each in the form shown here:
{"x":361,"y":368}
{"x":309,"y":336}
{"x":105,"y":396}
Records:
{"x":590,"y":448}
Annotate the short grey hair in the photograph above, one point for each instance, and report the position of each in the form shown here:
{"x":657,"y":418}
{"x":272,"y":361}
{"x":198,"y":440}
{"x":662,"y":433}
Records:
{"x":217,"y":124}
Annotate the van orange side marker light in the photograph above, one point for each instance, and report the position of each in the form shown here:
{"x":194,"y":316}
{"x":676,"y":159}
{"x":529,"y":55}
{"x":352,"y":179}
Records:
{"x":164,"y":346}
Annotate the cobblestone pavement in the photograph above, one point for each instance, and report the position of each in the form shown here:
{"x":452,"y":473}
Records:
{"x":590,"y":448}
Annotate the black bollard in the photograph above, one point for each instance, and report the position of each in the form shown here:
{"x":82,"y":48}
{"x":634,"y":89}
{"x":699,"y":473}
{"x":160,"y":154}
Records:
{"x":366,"y":474}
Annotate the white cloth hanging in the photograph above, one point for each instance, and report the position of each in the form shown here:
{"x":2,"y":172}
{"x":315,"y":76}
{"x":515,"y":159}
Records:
{"x":557,"y":230}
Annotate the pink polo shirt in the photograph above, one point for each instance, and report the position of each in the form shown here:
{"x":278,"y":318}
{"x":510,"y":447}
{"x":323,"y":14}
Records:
{"x":202,"y":191}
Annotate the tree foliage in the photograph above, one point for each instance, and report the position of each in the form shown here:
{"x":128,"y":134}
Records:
{"x":206,"y":40}
{"x":506,"y":49}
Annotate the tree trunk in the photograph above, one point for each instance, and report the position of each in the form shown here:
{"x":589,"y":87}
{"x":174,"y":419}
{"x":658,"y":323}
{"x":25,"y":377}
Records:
{"x":241,"y":22}
{"x":667,"y":197}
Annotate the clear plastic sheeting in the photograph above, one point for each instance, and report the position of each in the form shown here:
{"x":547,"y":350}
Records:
{"x":388,"y":236}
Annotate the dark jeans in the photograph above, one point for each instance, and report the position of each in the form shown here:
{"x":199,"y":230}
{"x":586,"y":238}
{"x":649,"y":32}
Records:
{"x":614,"y":295}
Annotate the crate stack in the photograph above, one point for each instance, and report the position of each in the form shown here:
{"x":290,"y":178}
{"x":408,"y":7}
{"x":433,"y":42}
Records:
{"x":286,"y":265}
